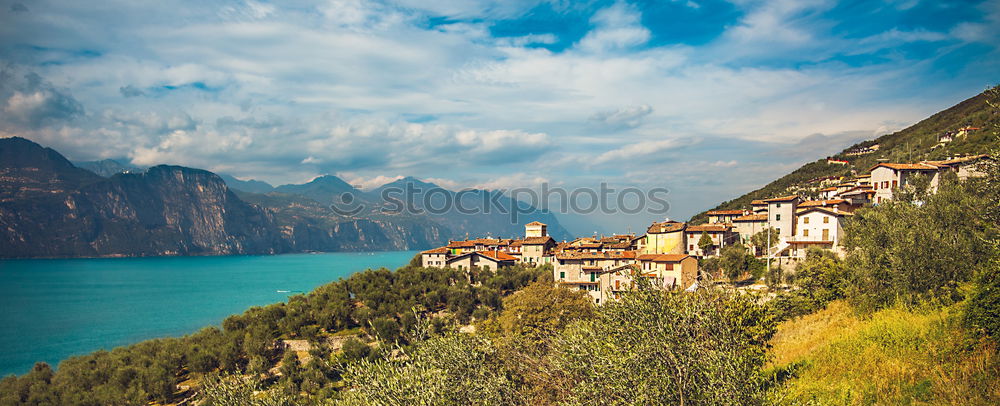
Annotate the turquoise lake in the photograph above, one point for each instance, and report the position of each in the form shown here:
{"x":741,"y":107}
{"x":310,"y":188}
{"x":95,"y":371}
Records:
{"x":51,"y":309}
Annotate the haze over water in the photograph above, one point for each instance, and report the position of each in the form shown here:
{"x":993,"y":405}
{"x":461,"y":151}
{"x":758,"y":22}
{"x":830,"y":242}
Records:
{"x":51,"y":309}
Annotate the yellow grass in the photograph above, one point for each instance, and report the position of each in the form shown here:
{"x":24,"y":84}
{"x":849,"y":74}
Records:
{"x":893,"y":357}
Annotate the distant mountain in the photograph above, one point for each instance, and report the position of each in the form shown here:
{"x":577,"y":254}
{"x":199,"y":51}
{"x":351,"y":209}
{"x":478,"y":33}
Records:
{"x":921,"y":141}
{"x":323,"y":189}
{"x":252,"y":185}
{"x":107,"y":167}
{"x":51,"y":208}
{"x":430,"y":203}
{"x":472,"y":212}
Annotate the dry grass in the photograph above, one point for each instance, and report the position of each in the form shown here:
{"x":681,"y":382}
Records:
{"x":893,"y":357}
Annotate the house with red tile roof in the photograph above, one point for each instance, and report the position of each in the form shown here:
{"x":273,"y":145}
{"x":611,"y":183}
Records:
{"x":487,"y":260}
{"x":724,"y":216}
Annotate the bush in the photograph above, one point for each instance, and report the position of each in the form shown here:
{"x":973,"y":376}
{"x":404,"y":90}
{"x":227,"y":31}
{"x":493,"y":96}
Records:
{"x":982,"y":313}
{"x":654,"y":347}
{"x":820,"y":280}
{"x":917,"y":251}
{"x":455,"y":369}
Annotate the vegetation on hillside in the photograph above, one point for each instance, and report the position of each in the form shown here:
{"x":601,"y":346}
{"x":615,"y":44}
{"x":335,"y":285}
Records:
{"x":911,"y":316}
{"x":915,"y":143}
{"x":651,"y":347}
{"x":377,"y":307}
{"x":895,"y":356}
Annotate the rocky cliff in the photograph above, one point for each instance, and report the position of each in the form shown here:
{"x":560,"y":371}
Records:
{"x":50,"y":208}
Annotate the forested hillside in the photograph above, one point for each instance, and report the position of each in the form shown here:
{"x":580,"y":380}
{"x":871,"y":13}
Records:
{"x":915,"y":143}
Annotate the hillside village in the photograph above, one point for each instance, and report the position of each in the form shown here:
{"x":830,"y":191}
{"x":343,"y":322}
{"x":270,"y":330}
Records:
{"x":668,"y":253}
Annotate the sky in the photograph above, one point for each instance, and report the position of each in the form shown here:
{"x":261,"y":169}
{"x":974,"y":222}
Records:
{"x":707,"y":99}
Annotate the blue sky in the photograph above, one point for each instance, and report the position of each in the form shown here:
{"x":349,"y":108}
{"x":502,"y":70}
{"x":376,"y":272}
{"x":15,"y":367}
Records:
{"x":709,"y":99}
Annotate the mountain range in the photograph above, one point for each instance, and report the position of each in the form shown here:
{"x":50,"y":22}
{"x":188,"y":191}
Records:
{"x":50,"y":207}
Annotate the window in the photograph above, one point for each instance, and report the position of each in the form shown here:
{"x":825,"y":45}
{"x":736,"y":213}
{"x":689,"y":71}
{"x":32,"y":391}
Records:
{"x":826,"y":234}
{"x":826,"y":220}
{"x":777,"y":217}
{"x":562,"y":275}
{"x":593,"y":276}
{"x":691,"y":247}
{"x":805,"y":233}
{"x":895,"y":183}
{"x":777,"y":205}
{"x":805,"y":220}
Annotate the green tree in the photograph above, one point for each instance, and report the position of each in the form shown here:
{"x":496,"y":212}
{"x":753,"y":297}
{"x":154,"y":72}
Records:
{"x":239,"y":390}
{"x":355,"y":350}
{"x":705,"y":243}
{"x":455,"y":369}
{"x":655,"y":347}
{"x":736,"y":261}
{"x":765,"y":240}
{"x":983,"y":310}
{"x":911,"y":251}
{"x":820,"y":279}
{"x":540,"y":310}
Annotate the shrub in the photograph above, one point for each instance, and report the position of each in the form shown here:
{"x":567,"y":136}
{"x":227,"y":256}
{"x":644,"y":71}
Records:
{"x":655,"y":347}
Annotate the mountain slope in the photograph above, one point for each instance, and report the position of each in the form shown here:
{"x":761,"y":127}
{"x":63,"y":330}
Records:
{"x":252,"y":185}
{"x":50,"y":208}
{"x":915,"y":143}
{"x":323,"y":189}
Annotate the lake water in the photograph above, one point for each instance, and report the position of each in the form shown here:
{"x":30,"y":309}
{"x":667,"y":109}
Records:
{"x":53,"y":308}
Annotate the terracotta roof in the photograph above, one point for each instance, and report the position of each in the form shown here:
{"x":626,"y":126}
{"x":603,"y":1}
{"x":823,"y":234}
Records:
{"x":535,"y":223}
{"x":497,"y":255}
{"x":710,"y":228}
{"x":725,"y":213}
{"x":810,"y":242}
{"x":826,"y":210}
{"x":537,"y":240}
{"x":829,"y":189}
{"x":439,"y":250}
{"x":516,"y":243}
{"x":461,"y":244}
{"x":663,"y":257}
{"x":906,"y":167}
{"x":811,"y":203}
{"x":491,"y":241}
{"x":758,"y":203}
{"x":751,"y":217}
{"x":665,"y":227}
{"x":596,"y":255}
{"x":782,"y":199}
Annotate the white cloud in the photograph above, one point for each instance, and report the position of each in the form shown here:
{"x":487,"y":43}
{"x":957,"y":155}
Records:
{"x":369,"y":183}
{"x":617,"y":27}
{"x":373,"y":88}
{"x":631,"y":151}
